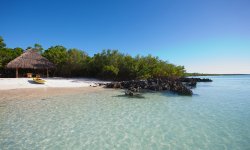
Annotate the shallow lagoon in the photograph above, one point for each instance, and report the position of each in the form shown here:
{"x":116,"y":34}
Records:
{"x":216,"y":117}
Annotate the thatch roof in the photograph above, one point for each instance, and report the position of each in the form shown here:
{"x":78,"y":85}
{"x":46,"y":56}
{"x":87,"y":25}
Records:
{"x":30,"y":60}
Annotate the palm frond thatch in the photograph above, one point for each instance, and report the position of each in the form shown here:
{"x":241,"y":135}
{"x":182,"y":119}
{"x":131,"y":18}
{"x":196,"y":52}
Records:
{"x":30,"y":60}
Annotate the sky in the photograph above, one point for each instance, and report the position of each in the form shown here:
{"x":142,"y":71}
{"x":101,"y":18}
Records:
{"x":206,"y":36}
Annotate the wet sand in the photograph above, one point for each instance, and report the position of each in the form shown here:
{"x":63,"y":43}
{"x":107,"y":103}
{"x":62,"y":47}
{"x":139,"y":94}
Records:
{"x":26,"y":93}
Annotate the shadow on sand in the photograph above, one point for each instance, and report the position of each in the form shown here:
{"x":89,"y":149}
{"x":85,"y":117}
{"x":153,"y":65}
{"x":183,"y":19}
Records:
{"x":32,"y":82}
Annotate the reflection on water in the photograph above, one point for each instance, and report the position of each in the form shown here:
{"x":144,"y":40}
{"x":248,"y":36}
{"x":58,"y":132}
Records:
{"x":134,"y":96}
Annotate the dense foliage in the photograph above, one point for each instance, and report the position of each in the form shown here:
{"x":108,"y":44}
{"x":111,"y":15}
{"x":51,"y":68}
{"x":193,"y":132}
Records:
{"x":7,"y":54}
{"x":109,"y":64}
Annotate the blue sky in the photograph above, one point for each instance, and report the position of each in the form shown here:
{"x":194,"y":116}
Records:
{"x":209,"y":36}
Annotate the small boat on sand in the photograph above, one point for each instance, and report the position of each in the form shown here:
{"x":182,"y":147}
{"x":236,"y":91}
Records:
{"x":39,"y":80}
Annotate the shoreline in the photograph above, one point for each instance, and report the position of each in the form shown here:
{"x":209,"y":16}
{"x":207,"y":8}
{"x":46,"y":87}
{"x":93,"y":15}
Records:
{"x":25,"y":88}
{"x":22,"y":83}
{"x":29,"y":93}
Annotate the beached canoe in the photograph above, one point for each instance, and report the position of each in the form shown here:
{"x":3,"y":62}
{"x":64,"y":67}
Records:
{"x":39,"y":80}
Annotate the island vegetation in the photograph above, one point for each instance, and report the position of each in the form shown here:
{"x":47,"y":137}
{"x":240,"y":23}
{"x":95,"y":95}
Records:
{"x":108,"y":64}
{"x":209,"y":74}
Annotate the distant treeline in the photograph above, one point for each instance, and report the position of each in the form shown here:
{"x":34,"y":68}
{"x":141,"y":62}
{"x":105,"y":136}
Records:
{"x":109,"y":64}
{"x":206,"y":74}
{"x":200,"y":74}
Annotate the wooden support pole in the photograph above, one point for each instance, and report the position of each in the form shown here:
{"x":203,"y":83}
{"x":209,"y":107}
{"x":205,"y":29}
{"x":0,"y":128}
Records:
{"x":16,"y":72}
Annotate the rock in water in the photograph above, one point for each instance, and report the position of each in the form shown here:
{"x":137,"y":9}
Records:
{"x":129,"y":92}
{"x":192,"y":83}
{"x":194,"y":79}
{"x":162,"y":84}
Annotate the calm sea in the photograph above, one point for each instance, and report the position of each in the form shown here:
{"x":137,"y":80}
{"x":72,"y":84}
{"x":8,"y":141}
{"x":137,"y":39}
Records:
{"x":217,"y":117}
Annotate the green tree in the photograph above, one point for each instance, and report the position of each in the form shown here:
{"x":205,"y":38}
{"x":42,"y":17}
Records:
{"x":2,"y":44}
{"x":8,"y":54}
{"x":127,"y":68}
{"x":106,"y":64}
{"x":17,"y":51}
{"x":58,"y":56}
{"x":110,"y":72}
{"x":77,"y":62}
{"x":38,"y":48}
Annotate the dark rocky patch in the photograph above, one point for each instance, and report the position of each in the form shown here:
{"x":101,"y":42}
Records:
{"x":101,"y":84}
{"x":158,"y":84}
{"x":194,"y":80}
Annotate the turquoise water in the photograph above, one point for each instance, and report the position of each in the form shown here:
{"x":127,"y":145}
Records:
{"x":217,"y":117}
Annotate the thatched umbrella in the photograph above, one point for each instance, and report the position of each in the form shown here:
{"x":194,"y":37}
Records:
{"x":30,"y":60}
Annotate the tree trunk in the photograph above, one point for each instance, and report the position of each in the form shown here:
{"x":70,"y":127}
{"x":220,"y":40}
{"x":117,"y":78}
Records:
{"x":47,"y":72}
{"x":16,"y":72}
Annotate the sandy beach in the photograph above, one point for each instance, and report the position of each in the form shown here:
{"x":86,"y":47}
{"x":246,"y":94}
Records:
{"x":24,"y":88}
{"x":21,"y":83}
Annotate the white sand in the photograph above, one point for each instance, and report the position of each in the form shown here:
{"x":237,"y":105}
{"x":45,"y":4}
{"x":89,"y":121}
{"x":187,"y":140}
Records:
{"x":20,"y":83}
